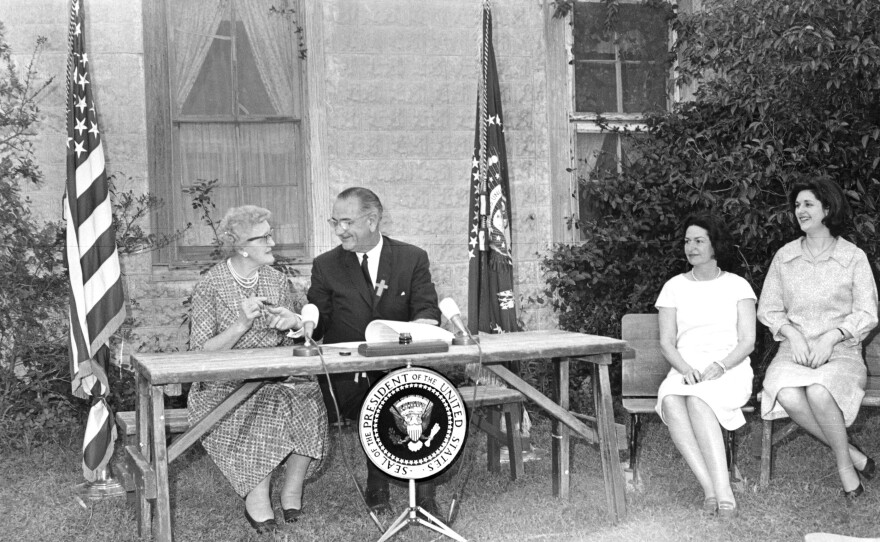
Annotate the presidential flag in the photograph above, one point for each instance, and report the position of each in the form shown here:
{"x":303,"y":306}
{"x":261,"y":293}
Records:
{"x":491,"y":306}
{"x":96,"y":297}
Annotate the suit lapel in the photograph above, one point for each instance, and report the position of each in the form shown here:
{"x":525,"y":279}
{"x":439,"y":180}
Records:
{"x":353,"y":270}
{"x":384,"y":273}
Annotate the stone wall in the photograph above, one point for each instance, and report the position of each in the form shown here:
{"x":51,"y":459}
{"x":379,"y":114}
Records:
{"x":401,"y":91}
{"x":400,"y":95}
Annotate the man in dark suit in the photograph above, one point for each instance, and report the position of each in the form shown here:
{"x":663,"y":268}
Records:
{"x":393,"y":284}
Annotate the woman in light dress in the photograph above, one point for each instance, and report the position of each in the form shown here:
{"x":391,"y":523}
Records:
{"x":820,"y":301}
{"x":707,"y":331}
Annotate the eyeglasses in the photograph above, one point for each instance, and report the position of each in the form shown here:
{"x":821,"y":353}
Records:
{"x":265,"y":237}
{"x":345,"y":223}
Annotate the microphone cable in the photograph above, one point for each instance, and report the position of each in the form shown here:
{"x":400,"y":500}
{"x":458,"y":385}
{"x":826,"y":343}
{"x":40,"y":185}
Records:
{"x":468,"y":459}
{"x":342,"y":452}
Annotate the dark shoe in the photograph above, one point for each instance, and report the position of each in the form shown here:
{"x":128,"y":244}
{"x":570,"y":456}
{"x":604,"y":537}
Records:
{"x":262,"y":527}
{"x":869,"y":470}
{"x":377,"y":499}
{"x":430,"y":506}
{"x":854,"y":494}
{"x":291,"y":515}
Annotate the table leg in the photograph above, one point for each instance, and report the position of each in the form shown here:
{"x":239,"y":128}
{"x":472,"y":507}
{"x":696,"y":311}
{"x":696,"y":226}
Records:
{"x":561,"y":444}
{"x":143,"y":426}
{"x":160,"y":464}
{"x":615,"y":487}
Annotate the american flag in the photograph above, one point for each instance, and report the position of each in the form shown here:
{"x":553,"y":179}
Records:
{"x":97,"y":306}
{"x":491,"y":306}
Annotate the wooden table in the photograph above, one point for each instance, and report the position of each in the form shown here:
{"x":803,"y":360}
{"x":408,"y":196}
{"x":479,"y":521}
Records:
{"x":153,"y":370}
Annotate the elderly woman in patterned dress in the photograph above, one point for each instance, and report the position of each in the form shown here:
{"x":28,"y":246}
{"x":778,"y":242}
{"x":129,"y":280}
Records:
{"x":243,"y":303}
{"x":820,"y":301}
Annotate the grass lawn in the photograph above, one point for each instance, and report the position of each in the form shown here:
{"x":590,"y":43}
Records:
{"x":38,"y":503}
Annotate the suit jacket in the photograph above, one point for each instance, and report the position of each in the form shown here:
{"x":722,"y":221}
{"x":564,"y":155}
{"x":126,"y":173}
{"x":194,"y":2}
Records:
{"x":346,"y":302}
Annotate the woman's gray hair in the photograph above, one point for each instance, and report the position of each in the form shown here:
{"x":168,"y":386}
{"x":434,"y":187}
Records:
{"x":238,"y":222}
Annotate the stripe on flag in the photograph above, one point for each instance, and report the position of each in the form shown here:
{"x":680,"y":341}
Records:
{"x":97,"y":304}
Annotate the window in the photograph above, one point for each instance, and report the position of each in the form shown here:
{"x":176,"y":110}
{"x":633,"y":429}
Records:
{"x":233,"y":97}
{"x":618,"y":71}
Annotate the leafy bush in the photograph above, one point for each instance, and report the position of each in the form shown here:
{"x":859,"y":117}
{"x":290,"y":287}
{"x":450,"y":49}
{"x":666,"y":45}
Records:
{"x":789,"y":89}
{"x":32,"y":285}
{"x":35,"y":399}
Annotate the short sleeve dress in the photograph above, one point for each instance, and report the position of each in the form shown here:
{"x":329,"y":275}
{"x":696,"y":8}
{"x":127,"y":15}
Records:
{"x":706,"y":318}
{"x":814,"y":295}
{"x":280,"y":418}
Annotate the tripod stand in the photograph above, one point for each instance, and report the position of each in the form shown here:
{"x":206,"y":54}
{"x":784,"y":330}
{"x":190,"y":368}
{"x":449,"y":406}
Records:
{"x":417,"y":514}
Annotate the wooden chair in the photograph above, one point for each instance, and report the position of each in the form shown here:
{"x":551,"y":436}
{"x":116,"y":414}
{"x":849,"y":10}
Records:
{"x":643,"y":370}
{"x":769,"y":440}
{"x":497,"y":402}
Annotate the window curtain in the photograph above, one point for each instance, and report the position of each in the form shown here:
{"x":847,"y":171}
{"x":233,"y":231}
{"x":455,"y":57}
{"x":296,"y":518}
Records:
{"x":193,"y":26}
{"x":271,"y":36}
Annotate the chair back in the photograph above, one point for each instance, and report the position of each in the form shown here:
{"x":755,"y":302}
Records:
{"x":643,"y":369}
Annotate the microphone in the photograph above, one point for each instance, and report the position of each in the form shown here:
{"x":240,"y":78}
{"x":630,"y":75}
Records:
{"x":310,"y":316}
{"x":450,"y":310}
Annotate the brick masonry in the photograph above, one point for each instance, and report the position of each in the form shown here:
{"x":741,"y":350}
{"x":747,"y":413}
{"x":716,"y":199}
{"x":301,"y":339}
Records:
{"x":401,"y":86}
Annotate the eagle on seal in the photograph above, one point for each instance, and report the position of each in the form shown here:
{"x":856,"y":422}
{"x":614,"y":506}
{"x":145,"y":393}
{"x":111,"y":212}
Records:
{"x":412,"y":416}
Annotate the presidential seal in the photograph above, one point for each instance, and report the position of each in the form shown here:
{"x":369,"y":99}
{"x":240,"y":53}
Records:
{"x":413,"y":423}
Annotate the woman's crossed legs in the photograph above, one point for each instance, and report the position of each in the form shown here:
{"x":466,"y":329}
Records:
{"x":814,"y":409}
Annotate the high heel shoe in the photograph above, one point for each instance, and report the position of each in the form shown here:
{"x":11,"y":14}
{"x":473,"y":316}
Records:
{"x":291,"y":515}
{"x":262,"y":527}
{"x":869,"y":470}
{"x":854,"y":494}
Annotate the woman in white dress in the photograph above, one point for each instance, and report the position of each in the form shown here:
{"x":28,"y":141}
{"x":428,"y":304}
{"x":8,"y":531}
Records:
{"x":819,"y":300}
{"x":707,"y":331}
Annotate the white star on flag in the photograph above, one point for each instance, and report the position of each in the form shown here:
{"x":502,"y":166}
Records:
{"x":80,"y":125}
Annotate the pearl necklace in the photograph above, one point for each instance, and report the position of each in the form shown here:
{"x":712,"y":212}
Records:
{"x":244,"y":282}
{"x":717,"y":274}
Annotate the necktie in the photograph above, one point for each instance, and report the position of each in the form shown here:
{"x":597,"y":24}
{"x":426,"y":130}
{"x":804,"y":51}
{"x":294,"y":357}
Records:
{"x":366,"y":271}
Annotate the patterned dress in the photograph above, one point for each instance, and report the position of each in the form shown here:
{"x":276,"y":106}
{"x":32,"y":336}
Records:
{"x":836,"y":290}
{"x":280,"y":418}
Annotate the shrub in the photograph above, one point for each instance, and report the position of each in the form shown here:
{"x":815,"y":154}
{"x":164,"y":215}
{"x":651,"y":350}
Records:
{"x":789,"y":89}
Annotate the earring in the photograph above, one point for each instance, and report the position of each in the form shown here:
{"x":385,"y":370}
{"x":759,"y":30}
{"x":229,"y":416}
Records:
{"x":244,"y":254}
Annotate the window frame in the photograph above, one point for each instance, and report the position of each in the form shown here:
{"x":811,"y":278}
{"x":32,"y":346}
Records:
{"x":587,"y":123}
{"x":161,"y":149}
